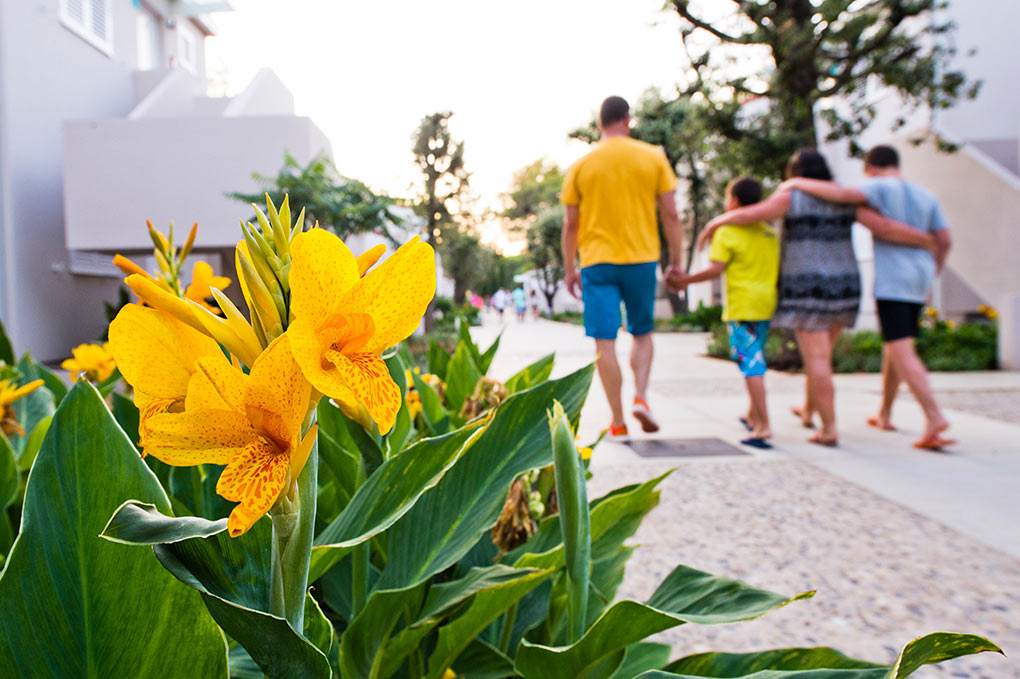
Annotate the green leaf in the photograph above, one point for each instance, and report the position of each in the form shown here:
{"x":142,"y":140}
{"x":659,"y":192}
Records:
{"x":233,"y":577}
{"x":76,"y":605}
{"x":32,"y":408}
{"x":529,"y":376}
{"x":34,"y":443}
{"x":339,"y":454}
{"x":461,"y":377}
{"x":783,"y":659}
{"x":6,"y":350}
{"x":686,"y":595}
{"x":481,"y":660}
{"x":641,"y":657}
{"x":391,"y":492}
{"x":439,"y":358}
{"x":437,"y":418}
{"x":33,"y":370}
{"x":10,"y":477}
{"x":127,"y":415}
{"x":487,"y":605}
{"x":448,"y":519}
{"x":485,"y":360}
{"x":372,"y":627}
{"x":880,"y":673}
{"x":936,"y":648}
{"x":349,"y":435}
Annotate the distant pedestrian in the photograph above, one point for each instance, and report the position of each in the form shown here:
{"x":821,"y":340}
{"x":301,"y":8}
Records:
{"x":499,"y":301}
{"x":611,"y":196}
{"x":520,"y":302}
{"x":749,"y":257}
{"x":533,"y":298}
{"x":819,"y":284}
{"x":903,"y":280}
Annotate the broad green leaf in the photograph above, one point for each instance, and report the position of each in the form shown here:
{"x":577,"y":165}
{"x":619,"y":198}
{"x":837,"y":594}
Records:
{"x":6,"y":350}
{"x":880,"y":673}
{"x":448,"y":519}
{"x":33,"y":370}
{"x":397,"y":436}
{"x":529,"y":376}
{"x":481,"y":660}
{"x":641,"y":657}
{"x":350,"y":435}
{"x":437,"y":418}
{"x":487,"y":605}
{"x":938,"y":647}
{"x":484,"y":361}
{"x":462,"y":374}
{"x":392,"y":490}
{"x":784,"y":659}
{"x":319,"y":630}
{"x":686,"y":595}
{"x":126,"y":414}
{"x":233,"y":577}
{"x":10,"y":477}
{"x":32,"y":408}
{"x":371,"y":628}
{"x":340,"y":457}
{"x":76,"y":605}
{"x":34,"y":443}
{"x":438,"y":360}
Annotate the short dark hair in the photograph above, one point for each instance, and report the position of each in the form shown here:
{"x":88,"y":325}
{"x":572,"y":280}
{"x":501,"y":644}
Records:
{"x":613,"y":110}
{"x":747,"y":190}
{"x":882,"y":156}
{"x":808,"y":162}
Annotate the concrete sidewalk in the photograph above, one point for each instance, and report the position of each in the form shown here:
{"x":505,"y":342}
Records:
{"x":974,"y":486}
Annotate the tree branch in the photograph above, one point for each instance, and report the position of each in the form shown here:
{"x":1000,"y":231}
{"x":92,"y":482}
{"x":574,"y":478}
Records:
{"x":683,"y":9}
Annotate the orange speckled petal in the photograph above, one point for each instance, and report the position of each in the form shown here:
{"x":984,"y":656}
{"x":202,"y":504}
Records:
{"x":367,"y":377}
{"x":368,"y":258}
{"x":395,"y":294}
{"x":254,"y":478}
{"x":189,"y":438}
{"x":277,"y":385}
{"x":322,"y":270}
{"x":217,"y":385}
{"x":155,"y":352}
{"x":158,"y":296}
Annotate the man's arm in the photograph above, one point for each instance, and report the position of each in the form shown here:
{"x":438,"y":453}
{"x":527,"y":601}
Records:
{"x":943,"y":242}
{"x":673,"y":228}
{"x":892,"y":231}
{"x":572,"y":276}
{"x":830,"y":191}
{"x":679,"y":281}
{"x":773,"y":207}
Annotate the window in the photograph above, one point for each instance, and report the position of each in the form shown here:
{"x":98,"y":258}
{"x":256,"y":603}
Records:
{"x":187,"y":48}
{"x":91,"y":20}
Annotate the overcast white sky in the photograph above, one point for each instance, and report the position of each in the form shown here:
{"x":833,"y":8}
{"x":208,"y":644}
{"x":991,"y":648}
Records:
{"x":518,"y":76}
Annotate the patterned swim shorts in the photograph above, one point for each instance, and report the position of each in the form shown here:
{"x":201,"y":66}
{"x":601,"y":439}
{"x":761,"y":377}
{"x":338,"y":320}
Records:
{"x":747,"y":345}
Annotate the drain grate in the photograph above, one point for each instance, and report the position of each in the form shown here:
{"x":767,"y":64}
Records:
{"x":684,"y":448}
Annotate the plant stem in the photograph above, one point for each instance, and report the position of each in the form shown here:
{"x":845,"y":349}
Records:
{"x":359,"y":577}
{"x":508,"y":628}
{"x":293,"y":531}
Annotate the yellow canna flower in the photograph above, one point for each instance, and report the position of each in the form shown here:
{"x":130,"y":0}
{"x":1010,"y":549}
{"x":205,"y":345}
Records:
{"x":991,"y":313}
{"x":251,"y":423}
{"x":342,"y":321}
{"x":413,"y":403}
{"x":94,"y":361}
{"x":432,"y":380}
{"x":367,"y":259}
{"x":203,"y":282}
{"x":129,"y":267}
{"x":156,"y":354}
{"x":585,"y":452}
{"x":9,"y":392}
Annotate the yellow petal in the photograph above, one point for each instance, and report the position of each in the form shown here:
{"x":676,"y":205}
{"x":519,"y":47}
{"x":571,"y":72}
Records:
{"x":254,"y":478}
{"x":129,"y":267}
{"x":155,"y":352}
{"x":245,"y":348}
{"x":155,"y":296}
{"x":369,"y":257}
{"x":322,"y":270}
{"x":367,"y":377}
{"x":300,"y":456}
{"x":216,"y":385}
{"x":197,"y":437}
{"x":278,"y":386}
{"x":395,"y":294}
{"x":22,"y":391}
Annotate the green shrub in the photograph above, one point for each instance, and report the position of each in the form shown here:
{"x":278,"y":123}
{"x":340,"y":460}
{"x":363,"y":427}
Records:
{"x":702,"y":319}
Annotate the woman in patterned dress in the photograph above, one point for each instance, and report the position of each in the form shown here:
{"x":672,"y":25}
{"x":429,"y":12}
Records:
{"x":819,"y":285}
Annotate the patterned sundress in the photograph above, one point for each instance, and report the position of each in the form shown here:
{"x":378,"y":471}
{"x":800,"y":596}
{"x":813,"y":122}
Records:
{"x":819,"y":284}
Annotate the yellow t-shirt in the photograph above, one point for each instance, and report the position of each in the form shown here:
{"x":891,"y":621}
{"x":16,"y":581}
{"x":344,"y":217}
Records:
{"x":751,"y":255}
{"x":615,"y":186}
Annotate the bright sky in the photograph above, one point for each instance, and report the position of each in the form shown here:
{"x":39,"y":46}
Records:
{"x":518,"y":76}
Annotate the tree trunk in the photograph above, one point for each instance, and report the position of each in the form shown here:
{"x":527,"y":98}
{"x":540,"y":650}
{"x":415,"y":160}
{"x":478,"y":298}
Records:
{"x":430,"y":311}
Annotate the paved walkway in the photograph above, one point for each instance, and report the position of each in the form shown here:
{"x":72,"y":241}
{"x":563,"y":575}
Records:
{"x":897,"y":542}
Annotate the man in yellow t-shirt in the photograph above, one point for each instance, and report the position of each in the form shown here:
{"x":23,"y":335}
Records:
{"x":610,"y":196}
{"x":749,"y":255}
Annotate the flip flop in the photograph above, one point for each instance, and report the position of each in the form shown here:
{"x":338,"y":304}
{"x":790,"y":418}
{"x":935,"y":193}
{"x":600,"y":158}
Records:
{"x":747,"y":425}
{"x":757,"y":443}
{"x":873,"y":422}
{"x":819,"y":441}
{"x":799,"y":413}
{"x":933,"y":443}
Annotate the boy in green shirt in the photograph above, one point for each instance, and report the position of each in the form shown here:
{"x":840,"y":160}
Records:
{"x":749,"y":255}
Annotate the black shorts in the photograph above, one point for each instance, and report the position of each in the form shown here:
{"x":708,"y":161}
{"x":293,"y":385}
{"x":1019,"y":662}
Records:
{"x":898,"y":319}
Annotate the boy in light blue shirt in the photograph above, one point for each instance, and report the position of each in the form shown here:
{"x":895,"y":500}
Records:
{"x":903,"y":280}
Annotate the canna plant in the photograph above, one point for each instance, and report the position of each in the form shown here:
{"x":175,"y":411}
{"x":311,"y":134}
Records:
{"x":288,"y":494}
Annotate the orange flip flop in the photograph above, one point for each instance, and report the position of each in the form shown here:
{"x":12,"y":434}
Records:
{"x":933,"y":443}
{"x":873,"y":421}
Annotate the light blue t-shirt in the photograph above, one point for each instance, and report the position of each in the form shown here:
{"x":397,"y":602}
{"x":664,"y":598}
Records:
{"x":902,"y":272}
{"x":519,"y":299}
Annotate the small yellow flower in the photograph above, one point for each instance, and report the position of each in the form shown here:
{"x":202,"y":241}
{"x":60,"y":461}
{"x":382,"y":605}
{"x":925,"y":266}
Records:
{"x":449,"y":674}
{"x":432,"y":380}
{"x":94,"y":361}
{"x":342,"y":321}
{"x":991,"y":313}
{"x":9,"y":392}
{"x":586,"y":453}
{"x":931,"y":312}
{"x":413,"y":401}
{"x":203,"y":282}
{"x":983,"y":308}
{"x":250,"y":423}
{"x":951,"y":325}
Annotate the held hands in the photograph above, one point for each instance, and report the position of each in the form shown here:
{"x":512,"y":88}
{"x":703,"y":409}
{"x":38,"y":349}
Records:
{"x":572,"y":279}
{"x":676,"y":279}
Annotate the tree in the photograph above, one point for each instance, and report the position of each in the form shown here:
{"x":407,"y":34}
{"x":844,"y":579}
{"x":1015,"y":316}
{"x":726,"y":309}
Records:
{"x":533,"y":189}
{"x":441,"y":161}
{"x":821,"y":49}
{"x":544,"y":251}
{"x":343,"y":205}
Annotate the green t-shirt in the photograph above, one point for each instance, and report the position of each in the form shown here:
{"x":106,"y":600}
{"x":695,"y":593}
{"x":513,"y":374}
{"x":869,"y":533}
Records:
{"x":751,"y":255}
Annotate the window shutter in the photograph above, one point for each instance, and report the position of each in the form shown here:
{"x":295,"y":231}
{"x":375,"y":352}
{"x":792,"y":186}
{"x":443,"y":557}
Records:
{"x":75,"y":10}
{"x":99,"y":27}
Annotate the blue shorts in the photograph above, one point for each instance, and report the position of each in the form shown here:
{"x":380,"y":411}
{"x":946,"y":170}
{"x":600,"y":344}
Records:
{"x":604,"y":286}
{"x":747,"y":345}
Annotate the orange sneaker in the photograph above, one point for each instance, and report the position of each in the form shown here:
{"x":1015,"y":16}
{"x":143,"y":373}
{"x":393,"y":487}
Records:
{"x":617,"y":433}
{"x":643,"y":414}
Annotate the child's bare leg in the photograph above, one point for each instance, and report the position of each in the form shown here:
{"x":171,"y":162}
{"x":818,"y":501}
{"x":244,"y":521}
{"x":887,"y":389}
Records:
{"x":759,"y":409}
